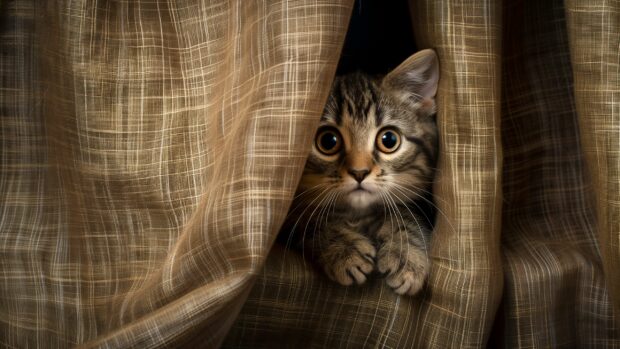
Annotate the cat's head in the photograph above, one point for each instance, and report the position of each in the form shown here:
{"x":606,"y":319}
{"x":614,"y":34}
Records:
{"x":377,"y":138}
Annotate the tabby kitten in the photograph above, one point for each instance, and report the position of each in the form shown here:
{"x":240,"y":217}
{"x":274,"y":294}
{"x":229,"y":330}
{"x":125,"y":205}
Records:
{"x":357,"y":208}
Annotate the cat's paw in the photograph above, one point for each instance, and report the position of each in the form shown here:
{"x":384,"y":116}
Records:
{"x":406,"y":269}
{"x":349,"y":262}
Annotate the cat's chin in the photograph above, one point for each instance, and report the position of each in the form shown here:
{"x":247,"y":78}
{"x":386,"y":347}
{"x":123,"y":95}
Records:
{"x":361,"y":199}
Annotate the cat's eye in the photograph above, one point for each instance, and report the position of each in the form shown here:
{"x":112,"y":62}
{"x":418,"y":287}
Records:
{"x":388,"y":140}
{"x":328,"y":140}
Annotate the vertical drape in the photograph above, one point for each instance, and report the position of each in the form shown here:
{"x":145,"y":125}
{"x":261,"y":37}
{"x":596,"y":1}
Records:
{"x":595,"y":56}
{"x":150,"y":150}
{"x":555,"y":293}
{"x":466,"y":279}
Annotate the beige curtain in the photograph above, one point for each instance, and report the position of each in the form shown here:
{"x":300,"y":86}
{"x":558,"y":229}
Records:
{"x":150,"y":150}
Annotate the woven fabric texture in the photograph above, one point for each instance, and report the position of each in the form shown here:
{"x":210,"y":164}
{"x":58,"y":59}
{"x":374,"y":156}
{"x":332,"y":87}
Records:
{"x":149,"y":151}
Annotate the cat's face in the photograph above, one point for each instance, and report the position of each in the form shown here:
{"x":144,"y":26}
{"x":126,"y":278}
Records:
{"x":376,"y":142}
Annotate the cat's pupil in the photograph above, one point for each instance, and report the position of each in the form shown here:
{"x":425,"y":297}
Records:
{"x":328,"y":140}
{"x":389,"y":140}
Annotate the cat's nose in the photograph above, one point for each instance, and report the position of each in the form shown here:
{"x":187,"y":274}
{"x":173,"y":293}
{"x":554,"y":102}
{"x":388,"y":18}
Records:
{"x":359,"y":175}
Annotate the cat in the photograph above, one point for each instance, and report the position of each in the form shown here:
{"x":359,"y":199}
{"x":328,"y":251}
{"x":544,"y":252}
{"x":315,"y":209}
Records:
{"x":358,"y":206}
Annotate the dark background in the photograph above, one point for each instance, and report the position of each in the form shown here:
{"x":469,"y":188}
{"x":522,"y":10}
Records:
{"x":380,"y":37}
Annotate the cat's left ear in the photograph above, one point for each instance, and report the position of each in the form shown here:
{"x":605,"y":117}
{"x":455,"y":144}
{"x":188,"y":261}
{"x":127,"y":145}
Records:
{"x":415,"y":80}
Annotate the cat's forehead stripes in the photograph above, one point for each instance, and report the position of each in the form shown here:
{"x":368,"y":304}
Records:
{"x":359,"y":106}
{"x":355,"y":96}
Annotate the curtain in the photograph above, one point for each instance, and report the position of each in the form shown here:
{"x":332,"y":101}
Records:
{"x":151,"y":149}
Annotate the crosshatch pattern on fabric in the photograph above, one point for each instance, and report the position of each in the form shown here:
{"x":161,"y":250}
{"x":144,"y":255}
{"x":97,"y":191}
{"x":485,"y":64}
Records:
{"x":149,"y":151}
{"x":595,"y":56}
{"x":555,"y":292}
{"x":514,"y":191}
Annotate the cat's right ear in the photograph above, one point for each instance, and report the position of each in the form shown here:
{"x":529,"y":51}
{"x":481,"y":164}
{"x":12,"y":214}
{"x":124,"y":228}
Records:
{"x":415,"y":80}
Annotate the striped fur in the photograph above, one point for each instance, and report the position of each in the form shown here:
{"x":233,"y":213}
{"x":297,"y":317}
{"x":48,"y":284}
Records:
{"x":351,"y":228}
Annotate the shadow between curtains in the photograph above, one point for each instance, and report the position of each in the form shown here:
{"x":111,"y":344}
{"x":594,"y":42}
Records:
{"x":150,"y":151}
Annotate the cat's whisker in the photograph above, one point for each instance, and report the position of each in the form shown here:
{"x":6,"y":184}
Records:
{"x":402,"y":221}
{"x":319,"y":206}
{"x":330,"y":202}
{"x":300,"y":201}
{"x":396,"y":212}
{"x":389,"y":208}
{"x":413,"y":202}
{"x":292,"y":229}
{"x":426,"y":244}
{"x":334,"y":203}
{"x":318,"y":221}
{"x":324,"y":211}
{"x":384,"y":207}
{"x":427,"y":201}
{"x":340,"y":225}
{"x":390,"y":211}
{"x":415,"y":191}
{"x":315,"y":187}
{"x":416,"y":222}
{"x":416,"y":187}
{"x":309,"y":202}
{"x":309,"y":219}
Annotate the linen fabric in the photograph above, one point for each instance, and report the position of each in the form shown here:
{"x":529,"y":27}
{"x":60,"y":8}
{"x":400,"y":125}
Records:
{"x":150,"y":150}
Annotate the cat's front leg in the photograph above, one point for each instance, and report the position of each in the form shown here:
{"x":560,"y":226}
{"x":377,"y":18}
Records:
{"x":346,"y":255}
{"x":402,"y":254}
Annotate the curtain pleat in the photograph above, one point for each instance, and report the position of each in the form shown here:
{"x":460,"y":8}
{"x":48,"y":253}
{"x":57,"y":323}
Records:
{"x":149,"y":151}
{"x":466,"y":278}
{"x":594,"y":37}
{"x":555,"y":293}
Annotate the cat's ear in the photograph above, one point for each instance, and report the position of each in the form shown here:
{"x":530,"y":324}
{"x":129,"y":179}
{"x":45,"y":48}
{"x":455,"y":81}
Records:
{"x":415,"y":79}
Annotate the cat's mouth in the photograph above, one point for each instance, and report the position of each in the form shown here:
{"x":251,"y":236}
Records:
{"x":359,"y":188}
{"x":361,"y":197}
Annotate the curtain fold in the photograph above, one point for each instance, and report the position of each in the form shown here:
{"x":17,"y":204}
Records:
{"x":594,"y":34}
{"x":466,"y":279}
{"x":149,"y":151}
{"x":555,"y":294}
